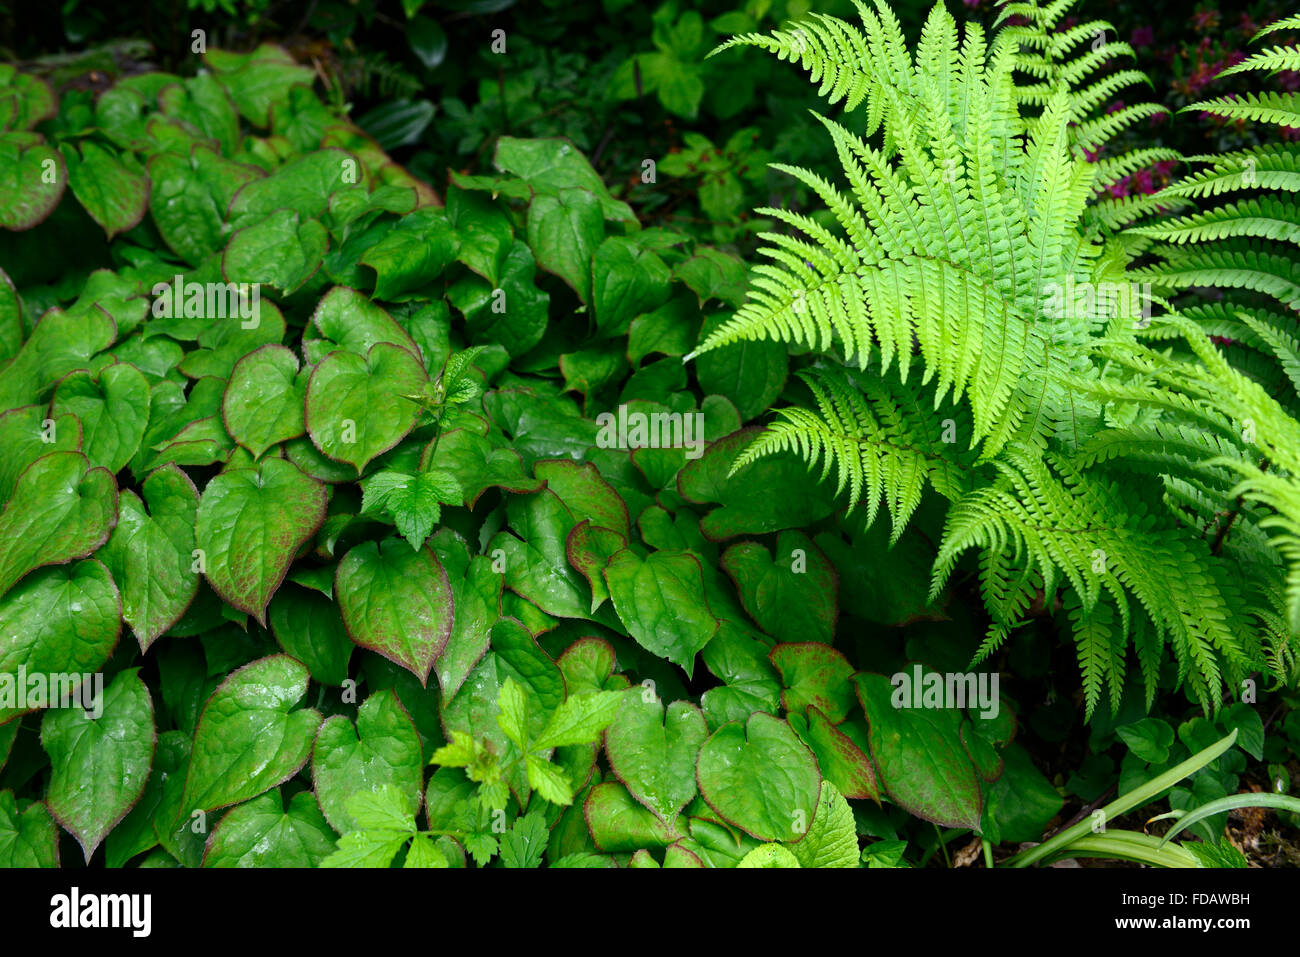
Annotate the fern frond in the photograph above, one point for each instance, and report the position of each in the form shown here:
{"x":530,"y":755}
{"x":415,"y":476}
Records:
{"x":1280,"y":109}
{"x":1262,"y":167}
{"x":1263,"y":218}
{"x":1277,"y":58}
{"x":1286,"y":23}
{"x":879,"y":441}
{"x":1230,"y":267}
{"x":1086,"y":532}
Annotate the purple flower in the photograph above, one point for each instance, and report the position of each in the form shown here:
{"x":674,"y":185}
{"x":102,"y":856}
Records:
{"x":1143,"y":37}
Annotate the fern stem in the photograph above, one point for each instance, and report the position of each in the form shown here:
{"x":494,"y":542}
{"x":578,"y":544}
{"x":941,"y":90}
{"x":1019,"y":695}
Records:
{"x":1222,"y":535}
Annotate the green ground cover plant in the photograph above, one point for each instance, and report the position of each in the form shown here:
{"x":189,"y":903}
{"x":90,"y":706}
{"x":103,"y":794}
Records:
{"x":458,"y":514}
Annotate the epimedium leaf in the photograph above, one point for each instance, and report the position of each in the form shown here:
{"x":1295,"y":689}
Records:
{"x":263,"y":402}
{"x":151,"y":553}
{"x":249,"y":737}
{"x":1021,"y":802}
{"x":61,"y":509}
{"x":551,"y":165}
{"x":589,"y":549}
{"x":619,"y":824}
{"x":251,"y":523}
{"x":113,"y":409}
{"x":564,"y":232}
{"x":397,"y":602}
{"x":28,"y":838}
{"x":841,"y":752}
{"x":203,"y":104}
{"x":793,"y":595}
{"x":661,"y":600}
{"x":513,"y":314}
{"x":588,"y":665}
{"x":814,"y":674}
{"x":355,"y":405}
{"x":771,"y":494}
{"x":653,"y":751}
{"x":11,"y":318}
{"x":258,"y":80}
{"x":347,"y":319}
{"x":263,"y":833}
{"x":919,"y":758}
{"x":303,"y":185}
{"x":477,"y":464}
{"x":60,"y":343}
{"x":628,"y":280}
{"x":282,"y":250}
{"x":383,"y":749}
{"x":32,"y":99}
{"x":484,"y":230}
{"x":712,"y":274}
{"x":309,"y":627}
{"x":533,"y":551}
{"x":28,"y":433}
{"x":33,"y":176}
{"x":61,"y":620}
{"x":134,"y":834}
{"x":190,"y":197}
{"x":101,"y":762}
{"x":476,"y":595}
{"x":586,"y":494}
{"x":412,"y":253}
{"x":247,"y":323}
{"x":114,"y":194}
{"x":740,"y":658}
{"x":760,"y":777}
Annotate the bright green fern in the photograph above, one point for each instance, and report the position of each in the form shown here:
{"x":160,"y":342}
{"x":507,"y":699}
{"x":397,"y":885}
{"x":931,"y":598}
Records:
{"x":982,"y":337}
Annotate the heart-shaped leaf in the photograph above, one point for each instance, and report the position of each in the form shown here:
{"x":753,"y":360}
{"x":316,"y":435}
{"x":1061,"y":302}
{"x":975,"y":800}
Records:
{"x":60,"y":620}
{"x":383,"y":749}
{"x":61,"y":509}
{"x":263,"y":403}
{"x":283,"y":250}
{"x":564,"y":231}
{"x":29,"y":839}
{"x":262,"y":833}
{"x":814,"y":674}
{"x":620,"y":825}
{"x":919,"y":756}
{"x":792,"y":596}
{"x":251,"y":523}
{"x":33,"y":177}
{"x":249,"y":738}
{"x":151,"y":553}
{"x":355,"y":405}
{"x":397,"y":602}
{"x":112,"y":192}
{"x":113,"y":409}
{"x":308,"y":626}
{"x":101,"y":763}
{"x":661,"y":601}
{"x":654,"y":754}
{"x":25,"y":436}
{"x":760,"y":777}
